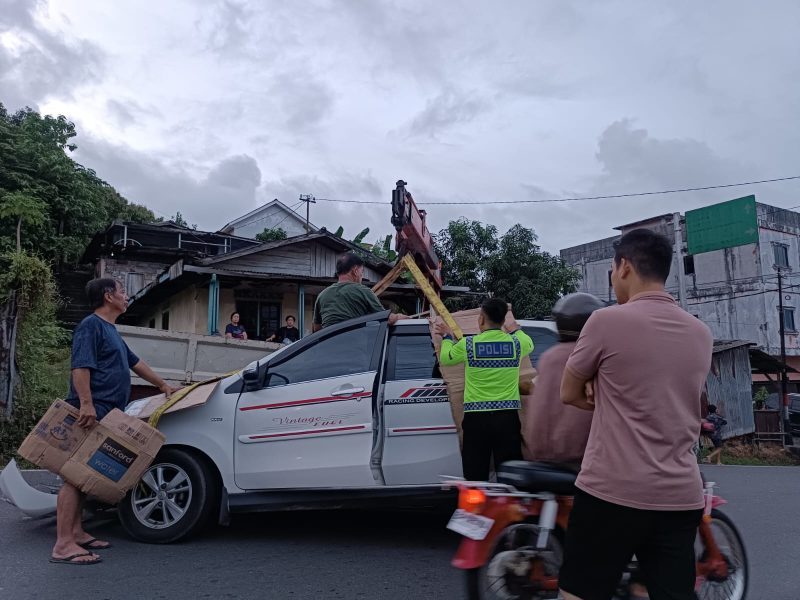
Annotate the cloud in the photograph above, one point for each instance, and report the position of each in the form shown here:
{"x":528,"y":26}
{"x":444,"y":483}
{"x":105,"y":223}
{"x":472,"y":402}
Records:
{"x":37,"y":63}
{"x":225,"y":26}
{"x":446,"y":110}
{"x":304,"y":99}
{"x":127,"y":112}
{"x":225,"y":191}
{"x":631,"y":156}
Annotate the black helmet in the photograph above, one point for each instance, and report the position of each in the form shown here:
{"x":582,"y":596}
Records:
{"x":571,"y":313}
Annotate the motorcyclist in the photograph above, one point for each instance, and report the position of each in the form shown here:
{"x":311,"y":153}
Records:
{"x":555,"y":432}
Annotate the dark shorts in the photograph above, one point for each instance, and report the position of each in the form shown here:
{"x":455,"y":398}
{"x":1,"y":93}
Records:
{"x":603,"y":537}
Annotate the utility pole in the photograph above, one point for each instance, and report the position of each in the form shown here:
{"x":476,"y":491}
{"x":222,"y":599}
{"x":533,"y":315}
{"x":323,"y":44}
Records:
{"x":676,"y":224}
{"x":784,"y":404}
{"x":308,"y":199}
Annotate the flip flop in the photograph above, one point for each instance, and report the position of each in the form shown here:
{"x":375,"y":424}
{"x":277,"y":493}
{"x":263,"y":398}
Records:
{"x":70,"y":560}
{"x":88,"y":545}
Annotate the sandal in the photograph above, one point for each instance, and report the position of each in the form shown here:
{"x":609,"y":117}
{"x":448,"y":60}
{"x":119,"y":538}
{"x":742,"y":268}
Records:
{"x":70,"y":560}
{"x":92,"y":544}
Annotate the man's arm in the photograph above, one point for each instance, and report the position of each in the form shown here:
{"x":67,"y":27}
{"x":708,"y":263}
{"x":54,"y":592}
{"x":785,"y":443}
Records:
{"x":451,"y":353}
{"x":81,"y":379}
{"x":525,"y":341}
{"x":143,"y":370}
{"x":577,"y":390}
{"x":316,"y":320}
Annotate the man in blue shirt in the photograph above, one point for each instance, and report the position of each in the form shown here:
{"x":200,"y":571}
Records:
{"x":100,"y":382}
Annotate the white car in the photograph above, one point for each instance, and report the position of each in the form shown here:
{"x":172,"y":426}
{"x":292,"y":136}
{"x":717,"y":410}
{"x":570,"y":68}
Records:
{"x":348,"y":416}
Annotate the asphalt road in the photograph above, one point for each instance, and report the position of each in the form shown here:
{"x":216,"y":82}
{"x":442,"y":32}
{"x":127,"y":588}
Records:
{"x":331,"y":555}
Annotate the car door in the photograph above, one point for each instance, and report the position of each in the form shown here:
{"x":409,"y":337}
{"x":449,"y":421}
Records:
{"x":309,"y":422}
{"x":420,"y":441}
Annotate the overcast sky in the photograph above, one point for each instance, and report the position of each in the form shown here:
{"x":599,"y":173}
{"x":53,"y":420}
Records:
{"x":212,"y":108}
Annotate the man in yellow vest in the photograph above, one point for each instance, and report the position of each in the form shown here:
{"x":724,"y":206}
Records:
{"x":491,"y":425}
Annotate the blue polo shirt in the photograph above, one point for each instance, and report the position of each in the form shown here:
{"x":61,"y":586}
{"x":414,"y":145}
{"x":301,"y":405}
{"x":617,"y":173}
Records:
{"x":98,"y":346}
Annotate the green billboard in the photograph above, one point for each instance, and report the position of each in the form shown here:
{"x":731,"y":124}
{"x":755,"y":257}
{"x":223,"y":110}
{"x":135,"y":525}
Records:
{"x":724,"y":225}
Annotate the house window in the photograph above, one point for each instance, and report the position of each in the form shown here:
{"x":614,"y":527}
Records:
{"x":788,"y":320}
{"x":781,"y":253}
{"x":260,"y":319}
{"x":165,"y":320}
{"x":688,"y":265}
{"x":134,"y":282}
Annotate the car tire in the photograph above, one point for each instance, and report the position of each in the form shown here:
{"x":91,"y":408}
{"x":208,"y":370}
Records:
{"x":173,"y":500}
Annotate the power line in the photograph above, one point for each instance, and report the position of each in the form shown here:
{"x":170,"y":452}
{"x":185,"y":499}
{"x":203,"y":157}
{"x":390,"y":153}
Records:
{"x":578,"y":198}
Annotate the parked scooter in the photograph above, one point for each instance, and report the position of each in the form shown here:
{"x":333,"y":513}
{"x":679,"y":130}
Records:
{"x":514,"y":533}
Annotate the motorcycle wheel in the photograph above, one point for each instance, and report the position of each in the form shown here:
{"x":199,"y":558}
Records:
{"x":506,"y":575}
{"x":730,"y":543}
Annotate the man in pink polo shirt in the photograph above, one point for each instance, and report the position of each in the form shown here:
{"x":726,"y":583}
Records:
{"x":640,"y":366}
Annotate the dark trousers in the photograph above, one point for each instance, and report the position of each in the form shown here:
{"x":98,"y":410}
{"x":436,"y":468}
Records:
{"x":602,"y":537}
{"x":488,"y":434}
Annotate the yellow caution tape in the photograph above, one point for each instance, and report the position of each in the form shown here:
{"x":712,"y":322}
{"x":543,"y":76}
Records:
{"x":180,"y":395}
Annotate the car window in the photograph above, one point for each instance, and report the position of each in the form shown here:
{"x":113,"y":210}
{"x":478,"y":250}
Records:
{"x":343,"y":353}
{"x":795,"y":404}
{"x":543,"y":339}
{"x":412,"y":357}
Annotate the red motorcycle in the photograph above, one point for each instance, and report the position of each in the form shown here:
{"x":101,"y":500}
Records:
{"x":513,"y":534}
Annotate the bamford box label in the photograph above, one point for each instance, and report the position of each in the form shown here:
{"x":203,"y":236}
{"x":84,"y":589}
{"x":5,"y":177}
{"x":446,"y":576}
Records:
{"x":112,"y":459}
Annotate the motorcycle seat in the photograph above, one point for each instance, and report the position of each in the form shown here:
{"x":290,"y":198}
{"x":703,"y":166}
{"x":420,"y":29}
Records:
{"x":537,"y":477}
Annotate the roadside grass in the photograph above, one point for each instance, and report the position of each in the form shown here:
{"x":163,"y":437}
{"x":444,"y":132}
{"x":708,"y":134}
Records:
{"x":42,"y":386}
{"x":743,"y":452}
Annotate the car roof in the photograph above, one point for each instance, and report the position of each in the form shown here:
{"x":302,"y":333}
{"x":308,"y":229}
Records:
{"x":551,"y":325}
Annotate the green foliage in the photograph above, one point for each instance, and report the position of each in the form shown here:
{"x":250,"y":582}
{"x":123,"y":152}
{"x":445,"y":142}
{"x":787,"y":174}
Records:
{"x":24,"y":208}
{"x":360,"y":237}
{"x":383,"y":249}
{"x":42,"y":356}
{"x":339,"y":231}
{"x":512,"y":267}
{"x":760,"y":398}
{"x":273,"y":234}
{"x":66,"y":203}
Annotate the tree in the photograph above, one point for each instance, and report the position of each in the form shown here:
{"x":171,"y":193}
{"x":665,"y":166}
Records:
{"x":512,"y":267}
{"x":271,"y":234}
{"x":75,"y":202}
{"x":464,"y":248}
{"x":24,"y":208}
{"x":179,"y":220}
{"x":383,"y":249}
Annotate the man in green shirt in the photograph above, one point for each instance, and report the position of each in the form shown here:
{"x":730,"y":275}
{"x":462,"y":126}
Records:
{"x":347,"y":299}
{"x":491,"y":425}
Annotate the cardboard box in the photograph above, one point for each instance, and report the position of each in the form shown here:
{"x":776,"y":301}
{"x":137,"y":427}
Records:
{"x":103,"y":462}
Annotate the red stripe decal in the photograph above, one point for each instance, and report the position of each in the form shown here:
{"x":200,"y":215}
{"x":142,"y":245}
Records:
{"x":289,"y":433}
{"x":409,"y":429}
{"x":308,"y":401}
{"x":407,"y":393}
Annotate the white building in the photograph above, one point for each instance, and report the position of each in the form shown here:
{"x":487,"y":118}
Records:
{"x":271,"y":215}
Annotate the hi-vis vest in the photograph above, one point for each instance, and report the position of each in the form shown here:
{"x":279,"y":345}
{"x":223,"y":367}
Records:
{"x":492,"y":367}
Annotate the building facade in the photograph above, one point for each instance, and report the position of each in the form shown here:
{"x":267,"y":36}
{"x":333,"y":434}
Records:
{"x":734,"y":291}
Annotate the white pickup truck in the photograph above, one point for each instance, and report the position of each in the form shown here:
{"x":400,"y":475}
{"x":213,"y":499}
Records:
{"x":353,"y":414}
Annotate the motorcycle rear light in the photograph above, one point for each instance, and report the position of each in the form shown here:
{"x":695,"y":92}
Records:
{"x":471,"y":500}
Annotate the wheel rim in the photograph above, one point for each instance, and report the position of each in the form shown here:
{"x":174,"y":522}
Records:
{"x":503,"y":579}
{"x":162,"y":497}
{"x":733,"y":587}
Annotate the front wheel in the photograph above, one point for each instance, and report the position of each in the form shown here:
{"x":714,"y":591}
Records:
{"x":729,"y":541}
{"x":173,"y":499}
{"x":516,"y":570}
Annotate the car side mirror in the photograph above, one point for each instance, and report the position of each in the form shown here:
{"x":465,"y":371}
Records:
{"x":251,"y":378}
